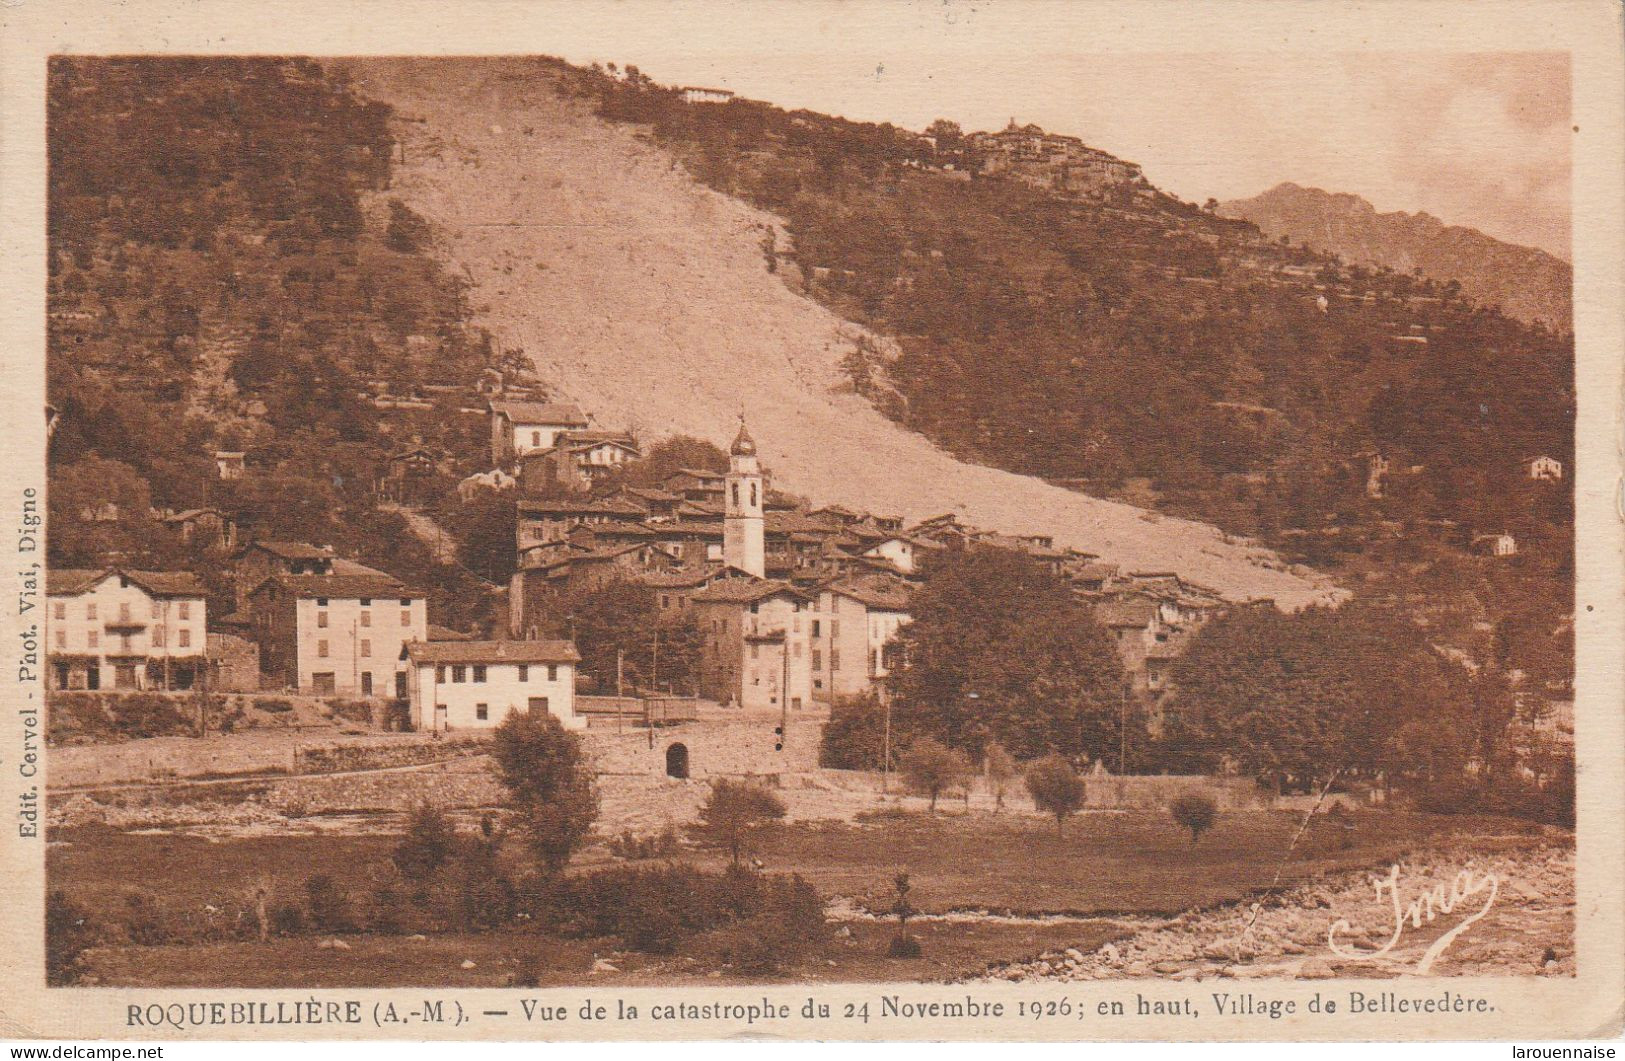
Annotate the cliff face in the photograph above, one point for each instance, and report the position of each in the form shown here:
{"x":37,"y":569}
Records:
{"x":646,"y":298}
{"x":1526,"y":283}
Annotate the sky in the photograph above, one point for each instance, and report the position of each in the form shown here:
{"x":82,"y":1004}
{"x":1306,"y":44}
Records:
{"x":1474,"y":138}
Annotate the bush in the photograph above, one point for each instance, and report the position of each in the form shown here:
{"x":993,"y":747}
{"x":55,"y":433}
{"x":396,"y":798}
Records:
{"x":655,"y":908}
{"x":1000,"y":769}
{"x":1195,"y":813}
{"x":384,"y":911}
{"x":549,"y":783}
{"x":78,"y":715}
{"x":359,"y":711}
{"x":273,"y":705}
{"x":328,"y":905}
{"x":427,"y":845}
{"x":792,"y":928}
{"x":68,"y":931}
{"x":636,"y":848}
{"x":733,"y":813}
{"x":1056,"y":788}
{"x":146,"y":715}
{"x":287,"y":919}
{"x":855,"y":736}
{"x":143,"y":922}
{"x":932,"y":768}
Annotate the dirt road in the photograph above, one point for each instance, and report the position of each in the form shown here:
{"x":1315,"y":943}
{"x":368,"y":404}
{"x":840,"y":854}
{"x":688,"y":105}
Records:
{"x":645,"y":297}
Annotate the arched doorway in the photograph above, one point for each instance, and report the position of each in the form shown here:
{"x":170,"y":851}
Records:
{"x":677,"y":761}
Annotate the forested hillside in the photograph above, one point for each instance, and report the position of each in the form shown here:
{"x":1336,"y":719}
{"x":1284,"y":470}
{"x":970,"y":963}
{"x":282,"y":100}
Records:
{"x":219,"y":282}
{"x":1141,"y":345}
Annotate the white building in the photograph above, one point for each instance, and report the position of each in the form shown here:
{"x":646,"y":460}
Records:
{"x":518,"y":428}
{"x":1544,"y":467}
{"x":456,"y":685}
{"x":338,"y":634}
{"x":854,"y":634}
{"x":904,"y":552}
{"x":113,"y":629}
{"x":699,"y":94}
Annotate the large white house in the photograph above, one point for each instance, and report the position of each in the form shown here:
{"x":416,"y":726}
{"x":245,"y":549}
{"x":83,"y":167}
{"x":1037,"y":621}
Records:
{"x":518,"y":428}
{"x":476,"y":684}
{"x":854,"y":634}
{"x":115,"y":629}
{"x":338,"y":634}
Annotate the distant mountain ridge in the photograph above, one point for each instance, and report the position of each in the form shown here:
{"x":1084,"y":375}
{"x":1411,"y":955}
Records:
{"x":1523,"y":282}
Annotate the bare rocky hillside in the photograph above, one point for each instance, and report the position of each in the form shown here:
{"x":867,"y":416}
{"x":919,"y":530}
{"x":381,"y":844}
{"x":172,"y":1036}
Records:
{"x":646,"y":298}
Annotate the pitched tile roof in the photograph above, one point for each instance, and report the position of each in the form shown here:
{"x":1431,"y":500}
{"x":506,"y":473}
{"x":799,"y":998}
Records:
{"x":540,"y":412}
{"x":343,"y":587}
{"x":879,"y":591}
{"x":493,"y":652}
{"x":70,"y":582}
{"x":744,"y":591}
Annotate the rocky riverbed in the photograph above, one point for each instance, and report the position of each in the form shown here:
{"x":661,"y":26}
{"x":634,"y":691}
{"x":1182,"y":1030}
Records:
{"x":1466,"y":909}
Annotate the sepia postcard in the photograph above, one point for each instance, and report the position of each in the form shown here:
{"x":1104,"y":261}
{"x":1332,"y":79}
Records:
{"x":912,"y":519}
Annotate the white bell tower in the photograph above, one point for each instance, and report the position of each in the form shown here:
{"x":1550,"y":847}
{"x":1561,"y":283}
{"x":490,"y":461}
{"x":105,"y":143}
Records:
{"x":742,"y":530}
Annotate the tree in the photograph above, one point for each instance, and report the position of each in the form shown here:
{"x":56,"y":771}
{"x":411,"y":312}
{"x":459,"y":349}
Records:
{"x":931,"y":768}
{"x":427,"y":845}
{"x":671,"y":455}
{"x":1001,"y":649}
{"x":619,"y":629}
{"x":1326,"y":689}
{"x":549,"y":784}
{"x":1194,"y":812}
{"x":733,"y":813}
{"x":1056,"y":788}
{"x":486,"y":530}
{"x":1000,"y":770}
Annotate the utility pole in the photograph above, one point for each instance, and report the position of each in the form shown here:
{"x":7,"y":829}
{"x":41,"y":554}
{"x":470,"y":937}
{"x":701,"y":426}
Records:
{"x":885,"y":755}
{"x":620,"y":659}
{"x":1122,"y":731}
{"x":654,"y":661}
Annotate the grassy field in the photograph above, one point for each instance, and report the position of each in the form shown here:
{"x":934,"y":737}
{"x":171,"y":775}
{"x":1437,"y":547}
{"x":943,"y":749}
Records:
{"x":1103,"y":864}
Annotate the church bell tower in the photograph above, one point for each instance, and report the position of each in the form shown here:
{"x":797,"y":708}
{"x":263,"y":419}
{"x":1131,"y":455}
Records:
{"x":742,"y":530}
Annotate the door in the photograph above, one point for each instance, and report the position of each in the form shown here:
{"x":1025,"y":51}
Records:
{"x":538,"y":705}
{"x":93,"y":676}
{"x":439,"y":718}
{"x":124,"y":676}
{"x":323,"y":683}
{"x":366,"y":683}
{"x":400,"y":685}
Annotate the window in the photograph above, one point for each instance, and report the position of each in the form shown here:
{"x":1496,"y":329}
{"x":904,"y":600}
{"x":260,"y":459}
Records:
{"x":155,"y":610}
{"x":440,"y":674}
{"x":321,"y":602}
{"x":524,"y":673}
{"x":818,"y":659}
{"x":406,"y":618}
{"x":482,"y":711}
{"x":61,"y":609}
{"x":123,"y":613}
{"x":834,"y":629}
{"x":366,"y":618}
{"x":755,"y":651}
{"x":815,"y":630}
{"x":124,"y":644}
{"x":834,"y":659}
{"x":186,"y":610}
{"x":406,"y":602}
{"x":479,"y":672}
{"x":321,"y":620}
{"x":158,"y":636}
{"x":366,"y":602}
{"x":92,"y":638}
{"x":536,"y":438}
{"x":90,"y":610}
{"x":459,"y":673}
{"x":552,"y":672}
{"x":798,"y":650}
{"x":61,"y":639}
{"x":366,"y":647}
{"x":321,"y":650}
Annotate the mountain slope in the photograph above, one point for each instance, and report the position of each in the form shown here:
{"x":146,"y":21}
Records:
{"x":646,"y":298}
{"x":1526,"y":283}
